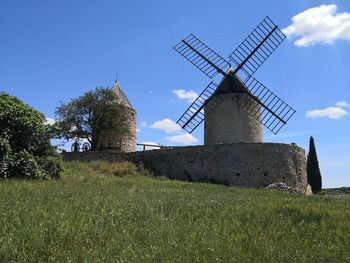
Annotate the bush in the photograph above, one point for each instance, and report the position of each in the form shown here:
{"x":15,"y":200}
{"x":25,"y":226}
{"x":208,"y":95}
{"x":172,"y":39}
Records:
{"x":25,"y":149}
{"x":121,"y":168}
{"x":141,"y":169}
{"x":24,"y":166}
{"x":124,"y":168}
{"x":5,"y":157}
{"x":51,"y":164}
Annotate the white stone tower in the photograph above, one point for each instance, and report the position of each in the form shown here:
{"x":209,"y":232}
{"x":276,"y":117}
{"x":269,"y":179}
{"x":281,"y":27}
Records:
{"x":229,"y":122}
{"x":109,"y":140}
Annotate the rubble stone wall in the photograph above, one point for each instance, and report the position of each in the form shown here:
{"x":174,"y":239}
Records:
{"x":236,"y":164}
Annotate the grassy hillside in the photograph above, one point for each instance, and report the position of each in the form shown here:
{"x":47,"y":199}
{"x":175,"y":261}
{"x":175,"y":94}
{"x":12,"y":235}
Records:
{"x":92,"y":216}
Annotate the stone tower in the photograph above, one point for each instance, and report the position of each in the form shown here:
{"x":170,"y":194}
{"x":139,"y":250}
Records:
{"x":228,"y":122}
{"x":109,"y":140}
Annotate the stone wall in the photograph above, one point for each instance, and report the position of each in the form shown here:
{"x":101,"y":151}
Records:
{"x":237,"y":164}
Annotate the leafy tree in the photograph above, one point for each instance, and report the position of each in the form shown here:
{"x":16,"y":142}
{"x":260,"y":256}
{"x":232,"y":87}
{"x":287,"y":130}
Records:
{"x":313,"y":170}
{"x":25,"y":148}
{"x":85,"y":117}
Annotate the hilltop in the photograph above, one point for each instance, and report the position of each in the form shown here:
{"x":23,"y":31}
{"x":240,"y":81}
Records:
{"x":90,"y":215}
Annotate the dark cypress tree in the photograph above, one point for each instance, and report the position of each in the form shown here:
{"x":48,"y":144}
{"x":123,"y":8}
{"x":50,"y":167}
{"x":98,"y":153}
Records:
{"x":313,"y":170}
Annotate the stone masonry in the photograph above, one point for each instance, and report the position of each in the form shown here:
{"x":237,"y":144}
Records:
{"x":127,"y":143}
{"x":236,"y":164}
{"x":109,"y":140}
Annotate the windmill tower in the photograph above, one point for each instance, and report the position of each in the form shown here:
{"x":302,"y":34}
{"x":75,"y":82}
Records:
{"x":109,"y":140}
{"x":235,"y":110}
{"x":228,"y":122}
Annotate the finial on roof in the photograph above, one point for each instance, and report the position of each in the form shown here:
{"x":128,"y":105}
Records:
{"x":116,"y":80}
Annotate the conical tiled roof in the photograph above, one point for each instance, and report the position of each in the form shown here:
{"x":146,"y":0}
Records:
{"x":121,"y":95}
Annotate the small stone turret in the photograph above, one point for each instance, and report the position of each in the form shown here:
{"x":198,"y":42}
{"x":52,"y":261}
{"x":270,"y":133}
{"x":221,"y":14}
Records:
{"x":109,"y":140}
{"x":229,"y":122}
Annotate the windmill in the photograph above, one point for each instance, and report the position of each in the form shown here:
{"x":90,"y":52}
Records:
{"x":234,"y":110}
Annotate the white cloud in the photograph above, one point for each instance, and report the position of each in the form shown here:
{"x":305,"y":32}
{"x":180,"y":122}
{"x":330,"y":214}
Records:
{"x":319,"y":25}
{"x":50,"y":121}
{"x":169,"y":126}
{"x":184,"y":138}
{"x":190,"y":95}
{"x":138,"y":130}
{"x":143,"y":124}
{"x":149,"y":147}
{"x":330,"y":112}
{"x":166,"y":125}
{"x":343,"y":104}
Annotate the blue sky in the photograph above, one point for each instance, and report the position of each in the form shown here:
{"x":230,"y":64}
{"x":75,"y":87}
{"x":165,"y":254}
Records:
{"x":52,"y":51}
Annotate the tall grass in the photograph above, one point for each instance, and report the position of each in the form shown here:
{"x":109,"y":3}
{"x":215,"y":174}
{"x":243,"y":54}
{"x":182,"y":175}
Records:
{"x":91,"y":215}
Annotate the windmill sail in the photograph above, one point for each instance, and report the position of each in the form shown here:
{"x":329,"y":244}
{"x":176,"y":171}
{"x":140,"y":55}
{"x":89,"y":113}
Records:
{"x":257,"y":47}
{"x":194,"y":115}
{"x":265,"y":106}
{"x":203,"y":57}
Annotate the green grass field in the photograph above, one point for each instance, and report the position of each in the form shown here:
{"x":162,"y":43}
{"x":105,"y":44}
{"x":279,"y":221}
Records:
{"x":92,"y":216}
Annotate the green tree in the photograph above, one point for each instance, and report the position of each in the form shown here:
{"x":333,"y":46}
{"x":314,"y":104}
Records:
{"x":85,"y":117}
{"x":313,"y":170}
{"x":25,"y":148}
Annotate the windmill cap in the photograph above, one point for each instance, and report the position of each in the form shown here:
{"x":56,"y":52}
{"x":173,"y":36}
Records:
{"x":231,"y":83}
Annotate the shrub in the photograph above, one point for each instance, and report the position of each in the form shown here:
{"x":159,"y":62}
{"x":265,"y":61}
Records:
{"x":25,"y":149}
{"x":143,"y":171}
{"x":24,"y":166}
{"x":124,"y":168}
{"x":52,"y":165}
{"x":5,"y":156}
{"x":121,"y":168}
